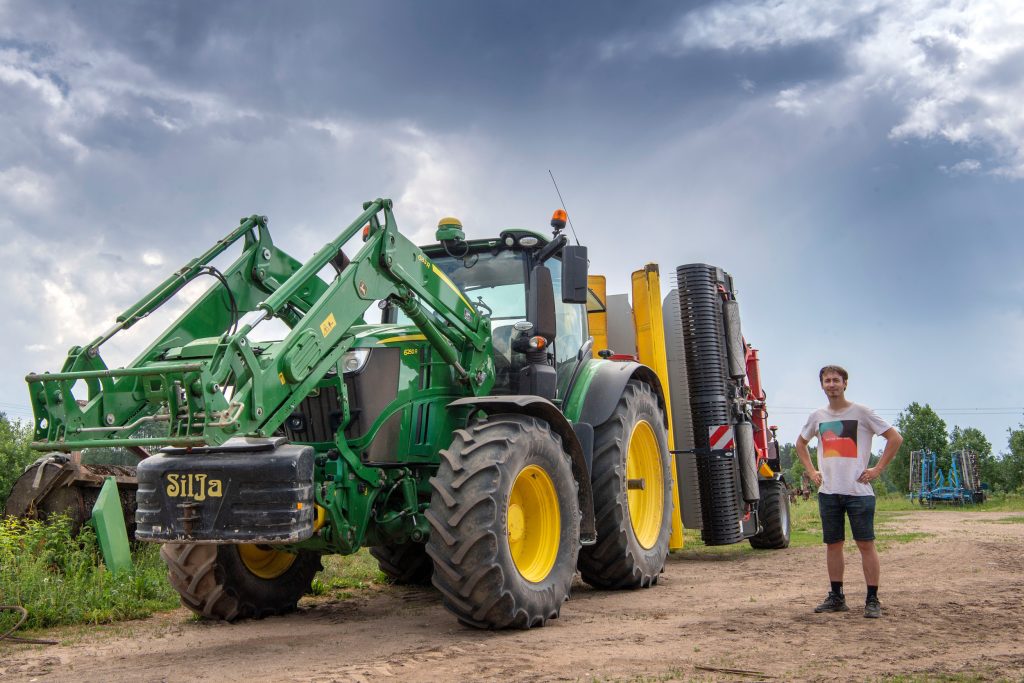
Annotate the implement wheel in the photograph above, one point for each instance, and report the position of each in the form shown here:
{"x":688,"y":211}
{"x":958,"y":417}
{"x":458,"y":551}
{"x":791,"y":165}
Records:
{"x":504,"y":518}
{"x":632,"y":494}
{"x":773,"y":512}
{"x":230,"y":582}
{"x":404,"y":563}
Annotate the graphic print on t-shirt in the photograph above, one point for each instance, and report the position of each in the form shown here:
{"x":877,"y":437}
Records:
{"x":838,"y":438}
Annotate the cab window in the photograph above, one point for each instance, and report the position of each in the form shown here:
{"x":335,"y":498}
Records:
{"x":572,"y":325}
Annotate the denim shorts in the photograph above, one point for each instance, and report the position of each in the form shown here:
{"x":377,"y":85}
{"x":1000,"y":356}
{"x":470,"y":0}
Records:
{"x":860,"y":509}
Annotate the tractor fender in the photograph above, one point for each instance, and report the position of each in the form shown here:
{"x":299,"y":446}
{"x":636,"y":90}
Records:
{"x":543,"y":409}
{"x":607,"y":385}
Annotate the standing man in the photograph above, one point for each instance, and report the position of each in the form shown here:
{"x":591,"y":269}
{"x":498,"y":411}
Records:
{"x":844,"y":430}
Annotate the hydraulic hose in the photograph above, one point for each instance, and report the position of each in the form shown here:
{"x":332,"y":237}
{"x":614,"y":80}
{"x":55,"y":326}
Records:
{"x":24,"y":615}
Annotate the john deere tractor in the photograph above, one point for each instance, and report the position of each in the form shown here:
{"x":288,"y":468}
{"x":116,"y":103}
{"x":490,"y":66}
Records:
{"x":470,"y":437}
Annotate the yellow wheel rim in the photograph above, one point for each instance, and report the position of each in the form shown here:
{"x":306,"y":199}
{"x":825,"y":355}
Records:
{"x":534,"y":523}
{"x":264,"y":561}
{"x":645,"y":484}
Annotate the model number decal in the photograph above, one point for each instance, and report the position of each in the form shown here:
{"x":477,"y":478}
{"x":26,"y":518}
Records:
{"x":196,"y":486}
{"x":328,"y":324}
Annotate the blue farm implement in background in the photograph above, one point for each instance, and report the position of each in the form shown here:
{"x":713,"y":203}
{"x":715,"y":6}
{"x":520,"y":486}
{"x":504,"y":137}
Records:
{"x":930,"y":485}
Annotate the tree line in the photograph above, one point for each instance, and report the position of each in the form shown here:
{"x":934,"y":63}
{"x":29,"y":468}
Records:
{"x":15,"y":455}
{"x":923,"y":429}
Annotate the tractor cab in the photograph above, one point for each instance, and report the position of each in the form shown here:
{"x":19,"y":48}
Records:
{"x":532,"y":289}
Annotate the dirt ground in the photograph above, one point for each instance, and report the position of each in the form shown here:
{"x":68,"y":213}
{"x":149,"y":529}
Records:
{"x":953,"y":606}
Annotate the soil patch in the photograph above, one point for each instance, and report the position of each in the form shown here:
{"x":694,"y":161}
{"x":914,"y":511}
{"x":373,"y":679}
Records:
{"x":953,"y":602}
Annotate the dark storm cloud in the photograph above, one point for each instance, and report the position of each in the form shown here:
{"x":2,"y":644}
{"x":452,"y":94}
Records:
{"x":332,"y":58}
{"x":444,"y":64}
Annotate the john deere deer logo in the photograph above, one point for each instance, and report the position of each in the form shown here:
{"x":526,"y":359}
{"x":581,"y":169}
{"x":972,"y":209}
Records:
{"x":195,"y":486}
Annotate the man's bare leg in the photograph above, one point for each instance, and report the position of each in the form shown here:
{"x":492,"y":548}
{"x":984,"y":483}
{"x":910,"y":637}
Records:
{"x":834,"y":560}
{"x":869,"y":560}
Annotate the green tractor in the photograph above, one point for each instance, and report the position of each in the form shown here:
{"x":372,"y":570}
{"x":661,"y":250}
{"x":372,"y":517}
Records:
{"x":470,"y":438}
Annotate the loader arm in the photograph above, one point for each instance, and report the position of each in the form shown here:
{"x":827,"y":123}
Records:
{"x":204,"y":381}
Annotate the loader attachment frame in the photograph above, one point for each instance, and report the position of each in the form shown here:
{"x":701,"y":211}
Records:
{"x":205,"y":381}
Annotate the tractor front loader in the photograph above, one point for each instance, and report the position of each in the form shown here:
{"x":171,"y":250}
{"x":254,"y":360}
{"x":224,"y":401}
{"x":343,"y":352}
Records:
{"x":471,"y":437}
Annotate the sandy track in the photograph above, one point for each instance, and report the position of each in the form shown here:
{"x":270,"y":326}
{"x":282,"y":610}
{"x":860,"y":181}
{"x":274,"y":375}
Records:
{"x":954,"y":603}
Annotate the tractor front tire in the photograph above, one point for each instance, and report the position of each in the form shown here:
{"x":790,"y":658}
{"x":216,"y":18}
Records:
{"x":632,"y":494}
{"x":773,"y":513}
{"x":505,"y":523}
{"x":231,"y":582}
{"x":404,"y":563}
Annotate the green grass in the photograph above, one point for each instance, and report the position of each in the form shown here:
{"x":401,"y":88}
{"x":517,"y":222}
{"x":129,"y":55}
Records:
{"x":999,"y":502}
{"x":60,"y":579}
{"x":806,"y":525}
{"x":358,"y":570}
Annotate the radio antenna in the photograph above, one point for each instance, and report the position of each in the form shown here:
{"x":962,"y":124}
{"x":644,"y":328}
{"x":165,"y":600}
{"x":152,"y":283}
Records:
{"x":567,"y":214}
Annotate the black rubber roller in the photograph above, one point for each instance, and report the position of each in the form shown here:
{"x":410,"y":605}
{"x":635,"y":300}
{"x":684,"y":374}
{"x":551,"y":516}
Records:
{"x":718,"y":475}
{"x":700,"y":309}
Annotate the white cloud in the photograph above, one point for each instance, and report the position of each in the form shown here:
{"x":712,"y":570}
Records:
{"x":772,"y":23}
{"x":340,"y":131}
{"x":26,"y":189}
{"x":152,"y":258}
{"x":796,"y":100}
{"x":953,"y":67}
{"x":963,"y":167}
{"x":13,"y":75}
{"x":438,"y":183}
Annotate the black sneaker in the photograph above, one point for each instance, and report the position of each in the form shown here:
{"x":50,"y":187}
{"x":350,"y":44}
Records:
{"x":834,"y":602}
{"x":872,"y":609}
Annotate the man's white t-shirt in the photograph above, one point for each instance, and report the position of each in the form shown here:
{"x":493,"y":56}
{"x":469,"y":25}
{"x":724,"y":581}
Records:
{"x":844,"y":446}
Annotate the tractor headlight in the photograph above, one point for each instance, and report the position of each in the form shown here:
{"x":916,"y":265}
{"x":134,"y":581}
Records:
{"x":354,"y":360}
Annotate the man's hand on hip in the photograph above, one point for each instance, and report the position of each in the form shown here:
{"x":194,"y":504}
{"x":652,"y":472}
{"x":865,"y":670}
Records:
{"x":869,"y":475}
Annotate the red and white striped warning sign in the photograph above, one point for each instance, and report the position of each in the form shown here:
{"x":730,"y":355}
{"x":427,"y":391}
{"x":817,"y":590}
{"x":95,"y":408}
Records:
{"x":720,"y":437}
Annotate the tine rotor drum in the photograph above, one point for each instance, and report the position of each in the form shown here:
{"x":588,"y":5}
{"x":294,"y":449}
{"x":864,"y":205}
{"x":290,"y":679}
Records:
{"x":55,"y":484}
{"x":713,"y":349}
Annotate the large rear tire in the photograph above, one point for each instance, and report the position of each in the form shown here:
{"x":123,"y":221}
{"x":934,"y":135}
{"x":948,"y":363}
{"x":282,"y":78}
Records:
{"x":505,"y":523}
{"x":231,"y":582}
{"x":773,"y":511}
{"x":632,"y":494}
{"x":404,"y":563}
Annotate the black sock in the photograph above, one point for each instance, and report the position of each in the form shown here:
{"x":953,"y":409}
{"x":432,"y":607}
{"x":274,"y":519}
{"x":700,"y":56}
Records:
{"x":837,"y":587}
{"x":872,"y":592}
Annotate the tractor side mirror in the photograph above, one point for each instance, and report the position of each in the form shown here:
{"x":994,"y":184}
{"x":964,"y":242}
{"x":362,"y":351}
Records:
{"x":574,"y":275}
{"x":540,"y":305}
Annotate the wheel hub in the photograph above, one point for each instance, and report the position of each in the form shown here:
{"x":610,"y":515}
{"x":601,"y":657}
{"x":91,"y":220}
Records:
{"x":534,"y":523}
{"x":516,"y":523}
{"x":264,"y":561}
{"x":645,"y":484}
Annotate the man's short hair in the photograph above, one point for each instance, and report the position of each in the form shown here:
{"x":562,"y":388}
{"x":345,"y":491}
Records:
{"x":833,"y":368}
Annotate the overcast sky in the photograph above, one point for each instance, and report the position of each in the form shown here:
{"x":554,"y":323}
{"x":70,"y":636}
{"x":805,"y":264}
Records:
{"x":857,"y":166}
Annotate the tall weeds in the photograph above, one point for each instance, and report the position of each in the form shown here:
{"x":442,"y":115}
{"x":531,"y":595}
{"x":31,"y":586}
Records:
{"x":61,"y":579}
